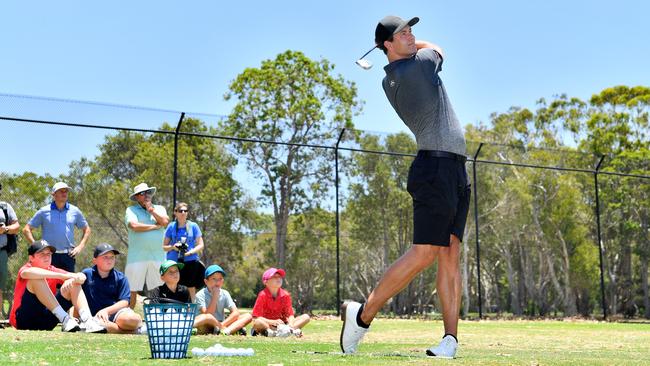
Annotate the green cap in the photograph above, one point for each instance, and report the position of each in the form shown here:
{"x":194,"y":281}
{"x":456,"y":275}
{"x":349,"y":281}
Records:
{"x":169,"y":263}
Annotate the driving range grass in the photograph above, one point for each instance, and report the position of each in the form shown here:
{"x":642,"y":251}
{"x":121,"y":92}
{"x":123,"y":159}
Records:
{"x":390,"y":342}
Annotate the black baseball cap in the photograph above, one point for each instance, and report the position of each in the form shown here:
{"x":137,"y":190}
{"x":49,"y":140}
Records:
{"x":390,"y":25}
{"x":40,"y":245}
{"x":104,"y":248}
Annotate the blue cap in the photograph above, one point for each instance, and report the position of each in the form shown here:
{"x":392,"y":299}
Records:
{"x":213,"y":269}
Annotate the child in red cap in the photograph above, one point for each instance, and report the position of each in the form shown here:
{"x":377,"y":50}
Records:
{"x":273,"y":314}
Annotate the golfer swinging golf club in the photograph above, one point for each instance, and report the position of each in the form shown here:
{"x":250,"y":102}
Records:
{"x":437,"y":182}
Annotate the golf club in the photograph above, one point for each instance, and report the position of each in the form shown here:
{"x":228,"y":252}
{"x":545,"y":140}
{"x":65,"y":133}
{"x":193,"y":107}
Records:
{"x":363,"y":63}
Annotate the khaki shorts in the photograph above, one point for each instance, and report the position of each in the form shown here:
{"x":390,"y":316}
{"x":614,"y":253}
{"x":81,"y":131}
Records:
{"x":141,"y":273}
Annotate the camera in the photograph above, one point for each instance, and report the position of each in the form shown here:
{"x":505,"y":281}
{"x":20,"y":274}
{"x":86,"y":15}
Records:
{"x":182,"y":249}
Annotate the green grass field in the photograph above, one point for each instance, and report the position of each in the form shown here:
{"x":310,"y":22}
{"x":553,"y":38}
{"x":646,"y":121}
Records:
{"x":389,"y":342}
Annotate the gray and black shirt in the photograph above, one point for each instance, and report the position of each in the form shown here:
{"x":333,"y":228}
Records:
{"x":6,"y":220}
{"x":415,"y":91}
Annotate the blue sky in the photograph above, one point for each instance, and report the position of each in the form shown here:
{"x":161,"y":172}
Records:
{"x":182,"y":55}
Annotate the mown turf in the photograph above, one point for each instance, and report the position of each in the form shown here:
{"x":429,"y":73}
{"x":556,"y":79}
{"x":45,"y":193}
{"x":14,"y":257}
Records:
{"x":390,"y":342}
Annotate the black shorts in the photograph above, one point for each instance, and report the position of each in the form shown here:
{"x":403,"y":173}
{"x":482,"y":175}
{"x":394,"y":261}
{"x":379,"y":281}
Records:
{"x":33,"y":315}
{"x":441,"y":193}
{"x":192,"y":274}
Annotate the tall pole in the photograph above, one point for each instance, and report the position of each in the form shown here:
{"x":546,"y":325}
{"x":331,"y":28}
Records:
{"x":338,"y":229}
{"x":178,"y":129}
{"x":478,"y":247}
{"x":600,"y":242}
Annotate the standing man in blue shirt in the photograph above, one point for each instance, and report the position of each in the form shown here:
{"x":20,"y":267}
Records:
{"x":437,"y":183}
{"x":58,"y":220}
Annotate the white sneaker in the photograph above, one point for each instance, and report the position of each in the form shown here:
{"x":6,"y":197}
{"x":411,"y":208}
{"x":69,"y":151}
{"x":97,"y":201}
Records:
{"x":446,"y":349}
{"x":271,"y":333}
{"x":70,"y":324}
{"x":283,"y":331}
{"x":92,"y":326}
{"x":142,"y":329}
{"x":296,"y":333}
{"x":351,"y":333}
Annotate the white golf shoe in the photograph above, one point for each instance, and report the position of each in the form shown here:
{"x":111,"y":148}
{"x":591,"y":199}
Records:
{"x":70,"y":324}
{"x":446,"y":349}
{"x":92,"y":326}
{"x":351,"y":332}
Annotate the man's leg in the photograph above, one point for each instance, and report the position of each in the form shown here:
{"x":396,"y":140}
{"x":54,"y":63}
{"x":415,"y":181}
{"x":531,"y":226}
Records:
{"x":135,"y":274}
{"x":449,"y":284}
{"x":132,"y":299}
{"x":398,"y":276}
{"x":4,"y":274}
{"x":356,"y":317}
{"x":449,"y":291}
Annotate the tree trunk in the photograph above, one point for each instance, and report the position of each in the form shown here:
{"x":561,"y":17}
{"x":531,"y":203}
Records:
{"x":512,"y":283}
{"x":570,"y":307}
{"x":644,"y":286}
{"x":281,"y":224}
{"x":627,"y":296}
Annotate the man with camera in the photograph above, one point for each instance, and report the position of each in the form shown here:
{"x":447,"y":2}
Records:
{"x":145,"y":223}
{"x":183,"y":242}
{"x":8,"y":226}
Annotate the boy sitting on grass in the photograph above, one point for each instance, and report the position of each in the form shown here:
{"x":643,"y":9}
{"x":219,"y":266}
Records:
{"x":36,"y":307}
{"x":170,"y":274}
{"x":213,"y":299}
{"x":108,"y":293}
{"x":273,"y":312}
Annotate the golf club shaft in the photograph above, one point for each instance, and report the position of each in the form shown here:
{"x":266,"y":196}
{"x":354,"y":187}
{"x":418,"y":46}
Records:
{"x":366,"y":54}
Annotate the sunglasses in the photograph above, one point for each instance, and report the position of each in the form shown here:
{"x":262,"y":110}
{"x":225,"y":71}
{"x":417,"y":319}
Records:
{"x":182,"y":211}
{"x":148,"y":193}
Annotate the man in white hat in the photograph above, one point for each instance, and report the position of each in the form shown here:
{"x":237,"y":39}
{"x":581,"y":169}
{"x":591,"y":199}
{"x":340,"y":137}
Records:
{"x":146,"y":224}
{"x":57,"y":221}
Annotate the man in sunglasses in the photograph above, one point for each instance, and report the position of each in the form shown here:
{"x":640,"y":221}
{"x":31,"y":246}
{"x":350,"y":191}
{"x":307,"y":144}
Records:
{"x":146,"y":224}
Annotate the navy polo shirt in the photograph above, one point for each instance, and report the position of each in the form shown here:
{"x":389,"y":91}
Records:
{"x":104,"y":292}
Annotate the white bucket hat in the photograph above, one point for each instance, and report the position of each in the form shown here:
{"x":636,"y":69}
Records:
{"x":142,"y":187}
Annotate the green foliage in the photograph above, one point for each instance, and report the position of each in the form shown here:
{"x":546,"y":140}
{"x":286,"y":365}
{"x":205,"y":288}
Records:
{"x":296,"y":100}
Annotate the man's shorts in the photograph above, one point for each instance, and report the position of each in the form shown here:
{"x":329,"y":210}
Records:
{"x":113,"y":318}
{"x":438,"y":184}
{"x":139,"y":273}
{"x":4,"y":269}
{"x":192,"y":274}
{"x":33,"y":315}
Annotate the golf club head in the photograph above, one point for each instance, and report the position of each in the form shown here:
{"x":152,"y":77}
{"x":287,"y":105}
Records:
{"x":364,"y":64}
